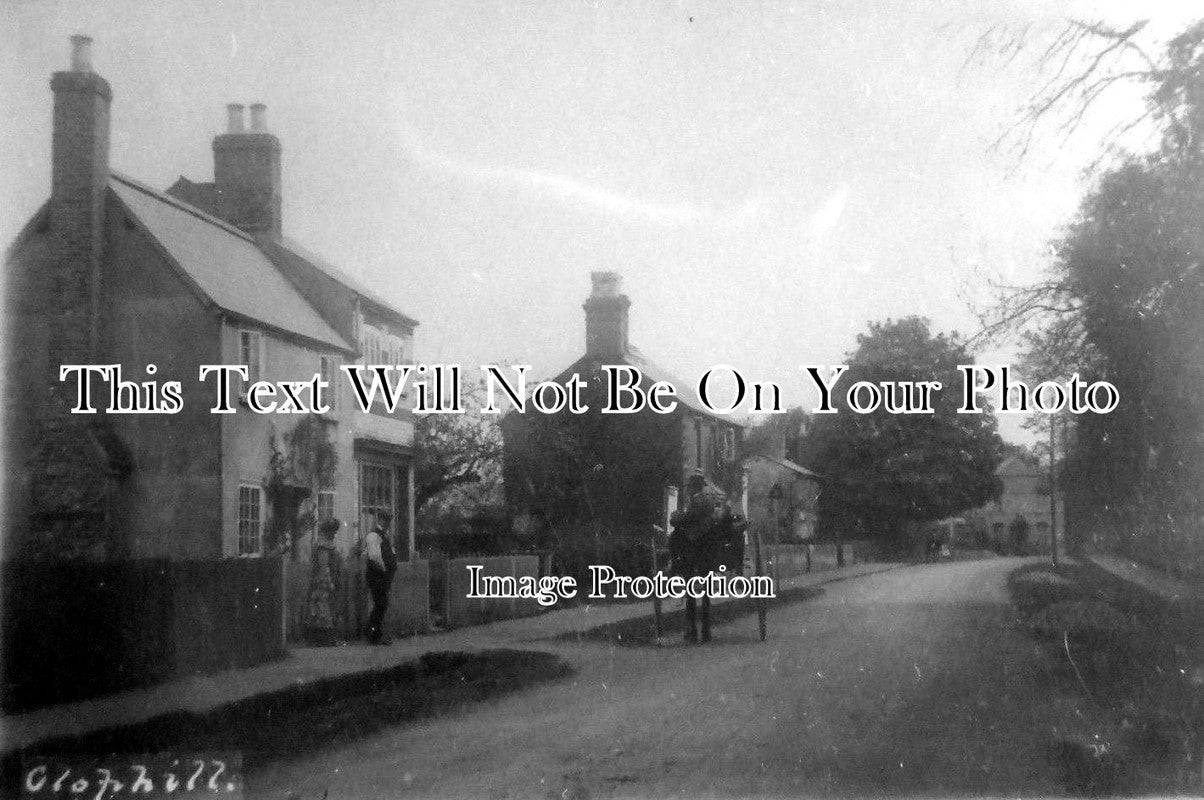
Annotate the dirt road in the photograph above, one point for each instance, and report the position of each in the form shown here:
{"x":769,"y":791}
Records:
{"x":911,"y":682}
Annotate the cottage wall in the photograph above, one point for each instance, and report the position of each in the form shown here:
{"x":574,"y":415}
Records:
{"x":246,"y":435}
{"x":795,"y":512}
{"x":170,"y":505}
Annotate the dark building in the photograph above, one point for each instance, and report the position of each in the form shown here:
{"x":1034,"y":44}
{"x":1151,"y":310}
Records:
{"x":620,"y":473}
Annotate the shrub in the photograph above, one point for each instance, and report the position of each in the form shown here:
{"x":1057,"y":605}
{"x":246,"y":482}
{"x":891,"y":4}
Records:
{"x":1035,"y":590}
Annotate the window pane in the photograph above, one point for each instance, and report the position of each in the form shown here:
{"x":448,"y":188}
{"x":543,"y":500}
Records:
{"x":249,"y":520}
{"x":248,"y":352}
{"x":376,"y":488}
{"x":328,"y":368}
{"x":325,"y":506}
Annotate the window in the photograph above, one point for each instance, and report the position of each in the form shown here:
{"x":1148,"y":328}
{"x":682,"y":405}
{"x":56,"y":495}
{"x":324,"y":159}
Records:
{"x":728,"y":452}
{"x":369,"y":352}
{"x":376,"y":488}
{"x":328,"y":368}
{"x":325,"y":506}
{"x":370,"y":344}
{"x":250,"y":520}
{"x":250,"y":353}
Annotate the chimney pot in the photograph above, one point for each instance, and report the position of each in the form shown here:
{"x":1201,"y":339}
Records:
{"x":606,"y":284}
{"x":81,"y":53}
{"x":246,"y":173}
{"x":234,"y":118}
{"x":606,"y":317}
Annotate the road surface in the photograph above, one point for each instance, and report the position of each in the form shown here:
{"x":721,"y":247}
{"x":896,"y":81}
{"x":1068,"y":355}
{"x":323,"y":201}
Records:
{"x":916,"y":681}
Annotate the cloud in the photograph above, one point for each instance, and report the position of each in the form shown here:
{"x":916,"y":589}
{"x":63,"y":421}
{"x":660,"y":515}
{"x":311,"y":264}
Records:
{"x":824,"y":220}
{"x":564,"y":187}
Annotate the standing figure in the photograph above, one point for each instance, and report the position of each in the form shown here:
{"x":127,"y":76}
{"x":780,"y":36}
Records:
{"x":692,"y":547}
{"x":382,"y":563}
{"x":1019,"y":532}
{"x":325,"y":586}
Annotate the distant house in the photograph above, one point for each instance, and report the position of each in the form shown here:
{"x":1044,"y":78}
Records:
{"x":1025,"y":494}
{"x":620,"y":472}
{"x":111,"y":271}
{"x":782,"y":499}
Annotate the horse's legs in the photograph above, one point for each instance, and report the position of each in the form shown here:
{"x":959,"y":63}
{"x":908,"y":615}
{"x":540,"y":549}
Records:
{"x":706,"y":618}
{"x":691,"y":620}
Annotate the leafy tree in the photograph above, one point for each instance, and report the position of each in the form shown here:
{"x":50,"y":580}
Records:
{"x":295,"y":475}
{"x":1123,"y":299}
{"x":454,"y":451}
{"x":593,"y":466}
{"x":589,"y":487}
{"x":777,"y":432}
{"x":1133,"y":260}
{"x":884,"y":470}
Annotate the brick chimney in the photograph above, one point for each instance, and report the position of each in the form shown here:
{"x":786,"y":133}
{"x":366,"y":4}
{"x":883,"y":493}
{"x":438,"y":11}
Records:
{"x":246,"y":172}
{"x":79,"y":177}
{"x":606,"y":318}
{"x":75,"y":461}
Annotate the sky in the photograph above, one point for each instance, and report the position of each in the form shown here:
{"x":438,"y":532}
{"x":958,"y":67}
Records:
{"x":766,"y":177}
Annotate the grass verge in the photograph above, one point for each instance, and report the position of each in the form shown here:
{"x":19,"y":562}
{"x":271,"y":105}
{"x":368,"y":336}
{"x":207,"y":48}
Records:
{"x":1136,"y":661}
{"x":324,"y":713}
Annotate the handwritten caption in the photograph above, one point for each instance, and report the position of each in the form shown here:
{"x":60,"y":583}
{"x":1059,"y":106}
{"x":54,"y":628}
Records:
{"x":179,"y":776}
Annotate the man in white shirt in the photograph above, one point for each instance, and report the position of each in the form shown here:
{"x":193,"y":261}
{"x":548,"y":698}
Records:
{"x":378,"y":574}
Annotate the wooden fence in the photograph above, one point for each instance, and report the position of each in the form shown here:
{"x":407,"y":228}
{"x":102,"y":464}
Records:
{"x":73,"y":630}
{"x":460,"y":609}
{"x":783,"y":561}
{"x":409,"y":599}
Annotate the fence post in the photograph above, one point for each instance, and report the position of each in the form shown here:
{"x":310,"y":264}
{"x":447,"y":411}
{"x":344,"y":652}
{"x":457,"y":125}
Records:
{"x":656,"y":598}
{"x":448,"y":618}
{"x":514,"y":599}
{"x":760,"y":600}
{"x":282,"y":576}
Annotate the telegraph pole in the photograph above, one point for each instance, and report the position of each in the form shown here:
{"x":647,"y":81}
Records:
{"x":1053,"y":496}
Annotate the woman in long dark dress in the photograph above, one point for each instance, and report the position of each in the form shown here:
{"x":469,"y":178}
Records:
{"x":324,"y":587}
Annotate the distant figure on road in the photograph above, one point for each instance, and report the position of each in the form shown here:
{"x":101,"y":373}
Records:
{"x":325,"y":584}
{"x":1019,"y":532}
{"x":935,"y":539}
{"x":382,"y":563}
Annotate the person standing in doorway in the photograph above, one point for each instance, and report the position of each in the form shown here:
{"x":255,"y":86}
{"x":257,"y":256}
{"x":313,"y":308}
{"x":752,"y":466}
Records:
{"x":382,"y":563}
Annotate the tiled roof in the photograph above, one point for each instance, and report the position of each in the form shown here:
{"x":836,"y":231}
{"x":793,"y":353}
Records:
{"x":201,"y":195}
{"x":788,"y":464}
{"x":286,"y":252}
{"x":1018,"y":465}
{"x":287,"y":248}
{"x":686,"y":394}
{"x":224,"y":263}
